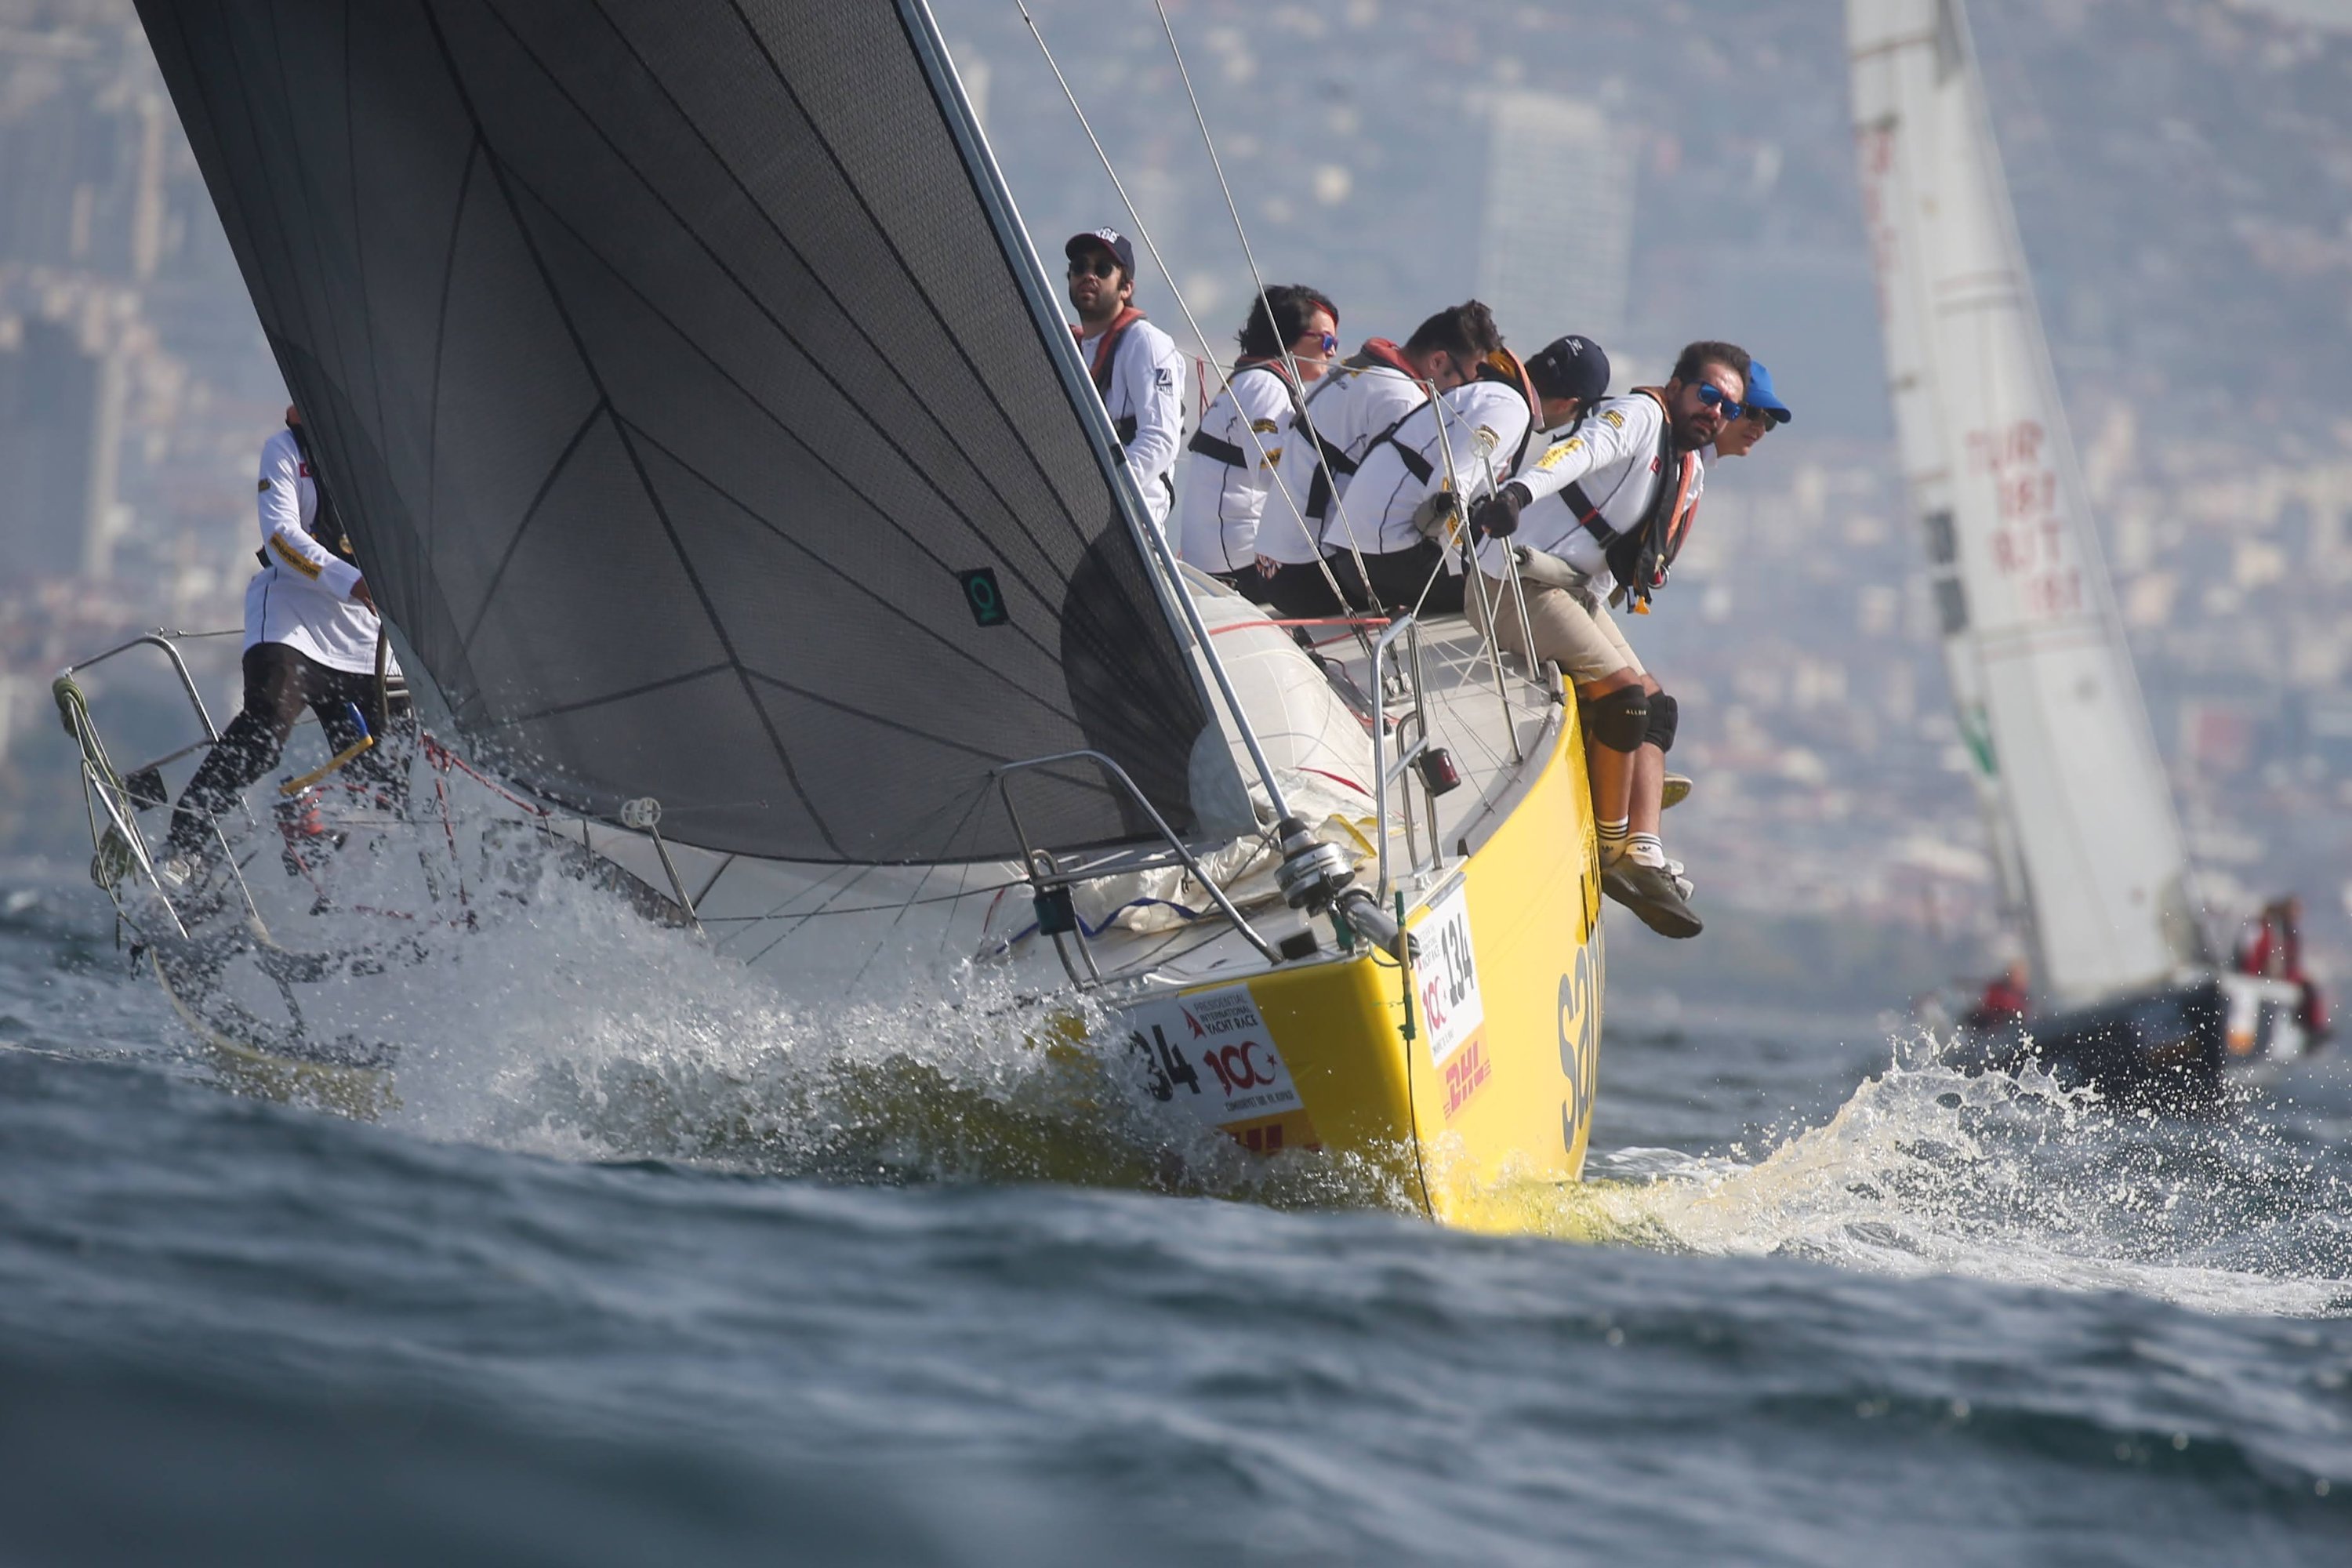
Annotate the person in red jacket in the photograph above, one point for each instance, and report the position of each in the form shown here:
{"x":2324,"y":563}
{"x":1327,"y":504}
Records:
{"x":2272,"y":945}
{"x":2005,"y":1002}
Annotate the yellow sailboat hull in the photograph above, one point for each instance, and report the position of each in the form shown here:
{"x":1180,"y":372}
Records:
{"x":1463,"y":1079}
{"x":1470,"y":1074}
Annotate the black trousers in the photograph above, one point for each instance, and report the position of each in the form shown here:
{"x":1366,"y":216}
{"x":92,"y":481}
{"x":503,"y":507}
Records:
{"x":1297,"y":592}
{"x":1398,"y":578}
{"x":1249,"y":583}
{"x":280,"y":682}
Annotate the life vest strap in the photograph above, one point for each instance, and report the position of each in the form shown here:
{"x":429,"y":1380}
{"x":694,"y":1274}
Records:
{"x":1107,"y":351}
{"x":1380,"y":351}
{"x":1225,"y":452}
{"x":1587,"y":514}
{"x":1320,"y":491}
{"x":1419,"y":467}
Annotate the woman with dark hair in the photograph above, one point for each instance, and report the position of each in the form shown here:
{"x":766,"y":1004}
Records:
{"x":1229,"y":466}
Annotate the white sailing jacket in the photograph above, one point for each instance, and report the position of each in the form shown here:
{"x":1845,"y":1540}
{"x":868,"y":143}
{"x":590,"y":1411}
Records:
{"x":1218,"y":505}
{"x":301,"y":597}
{"x":1350,"y":406}
{"x":1613,"y":458}
{"x":1484,"y":423}
{"x":1147,"y":385}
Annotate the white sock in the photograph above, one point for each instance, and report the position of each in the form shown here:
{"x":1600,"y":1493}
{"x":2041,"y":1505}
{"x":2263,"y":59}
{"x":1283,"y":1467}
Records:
{"x":1612,"y":839}
{"x":1645,"y":850}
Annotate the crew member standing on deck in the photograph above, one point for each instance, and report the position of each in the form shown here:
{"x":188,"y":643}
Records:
{"x":310,"y":632}
{"x":1229,"y":464}
{"x":1135,"y":366}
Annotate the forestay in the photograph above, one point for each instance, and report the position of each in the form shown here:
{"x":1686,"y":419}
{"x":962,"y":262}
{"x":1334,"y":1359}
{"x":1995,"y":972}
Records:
{"x":2028,"y":613}
{"x":701,"y":415}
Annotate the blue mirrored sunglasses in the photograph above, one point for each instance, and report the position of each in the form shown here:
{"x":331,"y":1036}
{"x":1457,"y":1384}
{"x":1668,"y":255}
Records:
{"x":1716,"y":397}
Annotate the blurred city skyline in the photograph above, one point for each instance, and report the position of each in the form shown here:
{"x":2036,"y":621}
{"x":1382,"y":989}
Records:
{"x":2182,"y":170}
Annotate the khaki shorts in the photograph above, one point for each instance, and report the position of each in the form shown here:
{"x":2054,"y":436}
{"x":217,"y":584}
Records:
{"x":1585,"y":644}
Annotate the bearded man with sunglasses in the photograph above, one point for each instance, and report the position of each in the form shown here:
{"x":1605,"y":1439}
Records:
{"x":1601,"y":513}
{"x":1229,"y":465}
{"x":1136,"y":366}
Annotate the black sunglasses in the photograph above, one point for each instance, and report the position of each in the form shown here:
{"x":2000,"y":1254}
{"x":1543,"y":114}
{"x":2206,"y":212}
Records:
{"x":1093,"y":266}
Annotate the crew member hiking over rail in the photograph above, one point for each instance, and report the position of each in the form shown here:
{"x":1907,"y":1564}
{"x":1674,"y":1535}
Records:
{"x":1601,"y":513}
{"x":1229,"y":466}
{"x":1359,"y":400}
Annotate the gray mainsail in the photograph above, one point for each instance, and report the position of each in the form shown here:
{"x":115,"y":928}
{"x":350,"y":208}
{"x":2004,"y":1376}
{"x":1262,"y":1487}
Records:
{"x":702,"y":417}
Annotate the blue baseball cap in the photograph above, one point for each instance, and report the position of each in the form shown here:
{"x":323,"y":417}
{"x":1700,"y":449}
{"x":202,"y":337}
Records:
{"x":1761,"y":396}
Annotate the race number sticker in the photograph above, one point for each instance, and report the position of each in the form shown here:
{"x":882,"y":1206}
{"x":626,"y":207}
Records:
{"x":1210,"y":1050}
{"x":1446,"y":981}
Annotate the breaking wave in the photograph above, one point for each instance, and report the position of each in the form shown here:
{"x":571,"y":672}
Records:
{"x":1926,"y":1169}
{"x":560,"y":1021}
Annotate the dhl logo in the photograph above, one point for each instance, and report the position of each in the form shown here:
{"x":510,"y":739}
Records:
{"x":1466,"y":1074}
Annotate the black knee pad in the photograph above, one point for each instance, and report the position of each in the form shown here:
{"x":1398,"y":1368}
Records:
{"x":1664,"y":713}
{"x":1620,"y":721}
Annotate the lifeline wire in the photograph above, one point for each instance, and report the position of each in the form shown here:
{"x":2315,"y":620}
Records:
{"x":1144,"y":232}
{"x":1307,"y":420}
{"x":1157,"y":542}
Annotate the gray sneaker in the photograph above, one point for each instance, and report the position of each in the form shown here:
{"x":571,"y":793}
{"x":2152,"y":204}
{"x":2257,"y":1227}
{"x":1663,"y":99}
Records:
{"x":1653,"y":894}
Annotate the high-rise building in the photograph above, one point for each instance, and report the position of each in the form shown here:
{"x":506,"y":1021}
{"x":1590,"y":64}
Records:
{"x":1555,"y":245}
{"x":61,"y":438}
{"x":85,"y":144}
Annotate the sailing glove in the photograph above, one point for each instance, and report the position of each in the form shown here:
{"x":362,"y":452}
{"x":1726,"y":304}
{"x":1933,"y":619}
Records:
{"x":1434,"y":518}
{"x":1497,"y":517}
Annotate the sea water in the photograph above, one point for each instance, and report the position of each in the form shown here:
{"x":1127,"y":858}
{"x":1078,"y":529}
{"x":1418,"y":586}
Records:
{"x":651,"y":1264}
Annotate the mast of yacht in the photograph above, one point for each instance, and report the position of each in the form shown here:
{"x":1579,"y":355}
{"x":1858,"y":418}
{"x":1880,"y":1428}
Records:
{"x":1894,"y":188}
{"x":2040,"y":671}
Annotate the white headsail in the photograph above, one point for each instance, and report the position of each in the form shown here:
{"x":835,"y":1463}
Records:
{"x":2081,"y":817}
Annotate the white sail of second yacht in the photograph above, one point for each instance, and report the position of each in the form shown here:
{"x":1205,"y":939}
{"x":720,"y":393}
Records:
{"x":2081,"y":814}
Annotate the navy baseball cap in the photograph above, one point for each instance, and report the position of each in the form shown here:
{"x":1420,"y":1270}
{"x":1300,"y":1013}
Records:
{"x":1570,"y":367}
{"x":1109,"y":239}
{"x":1761,"y":396}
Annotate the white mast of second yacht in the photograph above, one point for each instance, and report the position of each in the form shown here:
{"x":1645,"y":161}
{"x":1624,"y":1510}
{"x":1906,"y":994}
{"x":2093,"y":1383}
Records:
{"x":1893,"y":192}
{"x":2024,"y":589}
